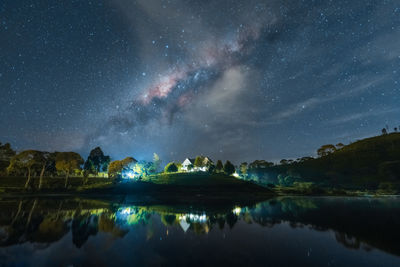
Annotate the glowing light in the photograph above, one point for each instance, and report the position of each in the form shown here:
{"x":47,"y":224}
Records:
{"x":130,"y":175}
{"x":236,"y":174}
{"x":193,"y":217}
{"x":237,"y":210}
{"x":126,"y":211}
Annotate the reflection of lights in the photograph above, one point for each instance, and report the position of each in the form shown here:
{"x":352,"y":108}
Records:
{"x":237,"y":210}
{"x":193,"y":217}
{"x":129,"y":215}
{"x":126,"y":211}
{"x":130,"y":175}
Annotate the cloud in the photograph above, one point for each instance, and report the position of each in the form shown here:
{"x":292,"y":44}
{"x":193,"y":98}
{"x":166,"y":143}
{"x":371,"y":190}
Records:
{"x":212,"y":57}
{"x":361,"y":115}
{"x":220,"y":78}
{"x":353,"y":89}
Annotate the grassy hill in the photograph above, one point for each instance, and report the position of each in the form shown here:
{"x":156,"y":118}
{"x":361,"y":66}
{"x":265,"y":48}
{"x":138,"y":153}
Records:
{"x":173,"y":187}
{"x":187,"y":187}
{"x":365,"y":164}
{"x":195,"y":179}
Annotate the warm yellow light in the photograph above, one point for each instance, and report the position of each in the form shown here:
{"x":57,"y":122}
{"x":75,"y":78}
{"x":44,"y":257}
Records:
{"x":237,"y":210}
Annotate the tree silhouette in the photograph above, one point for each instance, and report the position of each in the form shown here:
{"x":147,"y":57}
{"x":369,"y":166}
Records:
{"x":96,"y":161}
{"x":339,"y":145}
{"x":171,"y":167}
{"x":229,"y":168}
{"x":31,"y":160}
{"x":243,"y":168}
{"x":68,"y":162}
{"x":325,"y":150}
{"x":198,"y":162}
{"x":219,"y":167}
{"x":116,"y":167}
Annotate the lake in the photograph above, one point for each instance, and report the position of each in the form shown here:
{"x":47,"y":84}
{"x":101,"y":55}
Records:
{"x":284,"y":231}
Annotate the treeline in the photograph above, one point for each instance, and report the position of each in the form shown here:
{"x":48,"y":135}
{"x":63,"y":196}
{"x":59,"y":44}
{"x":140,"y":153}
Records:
{"x":40,"y":164}
{"x":202,"y":163}
{"x":34,"y":163}
{"x":368,"y":164}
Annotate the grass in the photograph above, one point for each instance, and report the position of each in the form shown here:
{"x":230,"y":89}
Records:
{"x":194,"y":179}
{"x":15,"y":183}
{"x":364,"y":164}
{"x":181,"y":187}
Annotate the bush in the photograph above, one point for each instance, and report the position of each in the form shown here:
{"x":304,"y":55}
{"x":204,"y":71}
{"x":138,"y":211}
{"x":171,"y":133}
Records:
{"x":387,"y":188}
{"x":171,"y":167}
{"x":229,"y":169}
{"x":307,"y":188}
{"x":286,"y":180}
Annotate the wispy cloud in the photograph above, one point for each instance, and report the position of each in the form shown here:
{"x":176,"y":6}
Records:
{"x":316,"y":101}
{"x":362,"y":115}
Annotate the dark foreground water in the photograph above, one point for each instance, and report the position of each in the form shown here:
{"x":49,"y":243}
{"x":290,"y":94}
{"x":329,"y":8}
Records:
{"x":290,"y":231}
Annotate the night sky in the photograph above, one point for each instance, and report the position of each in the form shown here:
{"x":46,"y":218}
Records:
{"x":239,"y":80}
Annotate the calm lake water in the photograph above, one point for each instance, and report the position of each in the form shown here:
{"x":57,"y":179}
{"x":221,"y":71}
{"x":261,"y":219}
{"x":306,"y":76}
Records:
{"x":287,"y":231}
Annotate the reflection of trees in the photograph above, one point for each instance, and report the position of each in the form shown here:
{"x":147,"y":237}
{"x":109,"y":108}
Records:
{"x":83,"y":226}
{"x":347,"y":241}
{"x":47,"y":221}
{"x":356,"y":221}
{"x":231,"y":219}
{"x":107,"y":224}
{"x":50,"y":230}
{"x":168,"y":219}
{"x":44,"y":221}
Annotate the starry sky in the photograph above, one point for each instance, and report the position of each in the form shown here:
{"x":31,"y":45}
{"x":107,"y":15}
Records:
{"x":238,"y":79}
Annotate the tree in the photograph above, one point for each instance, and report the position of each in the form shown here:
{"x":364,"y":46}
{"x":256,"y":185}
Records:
{"x":243,"y":168}
{"x":30,"y":160}
{"x":395,"y":129}
{"x":285,"y":180}
{"x":304,"y":159}
{"x":283,"y":161}
{"x":171,"y":167}
{"x":260,"y":164}
{"x":339,"y":146}
{"x":156,"y":162}
{"x":128,"y":163}
{"x":325,"y":150}
{"x":142,"y":169}
{"x":117,"y":167}
{"x":153,"y":167}
{"x":198,"y":162}
{"x":229,"y":169}
{"x":96,"y":161}
{"x":68,"y":162}
{"x":48,"y":163}
{"x":179,"y":166}
{"x":384,"y":131}
{"x":219,"y":167}
{"x":6,"y":154}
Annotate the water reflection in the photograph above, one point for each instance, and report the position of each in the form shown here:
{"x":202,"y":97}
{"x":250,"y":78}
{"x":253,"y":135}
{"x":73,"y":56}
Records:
{"x":356,"y":223}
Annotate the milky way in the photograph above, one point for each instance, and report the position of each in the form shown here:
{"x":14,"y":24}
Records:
{"x":239,"y":80}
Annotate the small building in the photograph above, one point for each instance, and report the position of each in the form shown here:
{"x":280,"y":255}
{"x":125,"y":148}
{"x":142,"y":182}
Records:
{"x":187,"y":165}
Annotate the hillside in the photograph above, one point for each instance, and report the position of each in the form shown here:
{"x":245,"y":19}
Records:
{"x":195,"y":179}
{"x":363,"y":164}
{"x":185,"y":187}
